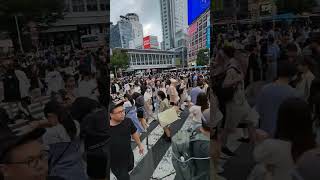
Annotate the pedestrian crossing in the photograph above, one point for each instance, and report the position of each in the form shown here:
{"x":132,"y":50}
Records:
{"x":163,"y":170}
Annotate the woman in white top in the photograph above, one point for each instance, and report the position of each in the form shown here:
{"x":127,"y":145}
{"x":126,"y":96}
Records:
{"x":148,"y":102}
{"x":62,"y":137}
{"x":305,"y":78}
{"x":87,"y":87}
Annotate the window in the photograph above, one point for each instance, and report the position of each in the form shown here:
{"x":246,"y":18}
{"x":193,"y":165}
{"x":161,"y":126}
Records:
{"x":92,"y":5}
{"x":66,"y":6}
{"x":104,"y":5}
{"x":78,"y":5}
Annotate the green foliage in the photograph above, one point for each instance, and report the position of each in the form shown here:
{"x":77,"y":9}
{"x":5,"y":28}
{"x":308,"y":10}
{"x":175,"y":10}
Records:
{"x":119,"y":59}
{"x":295,"y":6}
{"x":203,"y":57}
{"x":178,"y":62}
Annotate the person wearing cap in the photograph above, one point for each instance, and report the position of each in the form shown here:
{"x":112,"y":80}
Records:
{"x":121,"y":131}
{"x":22,"y":155}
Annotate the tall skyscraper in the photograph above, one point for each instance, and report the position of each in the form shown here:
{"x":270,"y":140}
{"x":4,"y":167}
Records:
{"x":137,"y":38}
{"x":121,"y":34}
{"x":173,"y":18}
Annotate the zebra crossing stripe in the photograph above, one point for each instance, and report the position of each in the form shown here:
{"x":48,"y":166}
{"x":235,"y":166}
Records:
{"x":153,"y":137}
{"x":165,"y":167}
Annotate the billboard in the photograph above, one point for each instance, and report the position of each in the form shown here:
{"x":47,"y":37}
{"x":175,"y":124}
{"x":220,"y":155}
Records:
{"x":196,"y":8}
{"x":146,"y":42}
{"x":192,"y":29}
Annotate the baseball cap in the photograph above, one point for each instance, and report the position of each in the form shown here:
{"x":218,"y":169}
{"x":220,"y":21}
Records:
{"x":114,"y":105}
{"x":13,"y":135}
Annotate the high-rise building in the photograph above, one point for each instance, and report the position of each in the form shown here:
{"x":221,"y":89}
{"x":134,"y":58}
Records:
{"x":173,"y":18}
{"x":137,"y":39}
{"x":199,"y":36}
{"x":121,"y":34}
{"x":181,"y":39}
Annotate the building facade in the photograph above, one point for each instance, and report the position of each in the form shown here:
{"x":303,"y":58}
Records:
{"x":173,"y":18}
{"x":261,"y":8}
{"x":121,"y":34}
{"x":140,"y":59}
{"x":181,"y":39}
{"x":199,"y":36}
{"x":137,"y":39}
{"x":82,"y":17}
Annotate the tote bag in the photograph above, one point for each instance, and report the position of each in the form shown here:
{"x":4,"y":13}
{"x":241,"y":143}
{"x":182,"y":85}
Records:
{"x":168,"y":116}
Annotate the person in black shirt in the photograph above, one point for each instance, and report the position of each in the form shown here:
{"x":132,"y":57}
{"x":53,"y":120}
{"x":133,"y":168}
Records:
{"x":121,"y":131}
{"x":254,"y":69}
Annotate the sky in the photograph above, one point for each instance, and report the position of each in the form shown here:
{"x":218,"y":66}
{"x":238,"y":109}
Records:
{"x":147,"y":10}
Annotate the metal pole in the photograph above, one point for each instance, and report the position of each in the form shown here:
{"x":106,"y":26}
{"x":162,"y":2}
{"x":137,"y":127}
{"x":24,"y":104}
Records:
{"x":19,"y":38}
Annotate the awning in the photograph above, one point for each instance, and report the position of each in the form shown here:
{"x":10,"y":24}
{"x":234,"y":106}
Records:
{"x":69,"y":21}
{"x":60,"y":29}
{"x":279,"y":17}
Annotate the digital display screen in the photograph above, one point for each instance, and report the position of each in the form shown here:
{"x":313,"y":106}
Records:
{"x":196,"y":8}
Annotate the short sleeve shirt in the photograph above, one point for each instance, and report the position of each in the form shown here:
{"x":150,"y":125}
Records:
{"x":120,"y":145}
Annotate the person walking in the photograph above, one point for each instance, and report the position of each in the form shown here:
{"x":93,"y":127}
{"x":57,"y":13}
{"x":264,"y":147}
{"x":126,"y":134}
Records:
{"x":121,"y":131}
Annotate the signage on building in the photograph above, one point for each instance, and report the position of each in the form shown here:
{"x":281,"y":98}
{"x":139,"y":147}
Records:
{"x":192,"y":29}
{"x":146,"y":42}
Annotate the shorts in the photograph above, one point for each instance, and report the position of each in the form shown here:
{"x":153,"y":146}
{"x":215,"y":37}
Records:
{"x":97,"y":165}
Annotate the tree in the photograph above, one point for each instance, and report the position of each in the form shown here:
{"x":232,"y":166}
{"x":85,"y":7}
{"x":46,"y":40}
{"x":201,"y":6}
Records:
{"x":40,"y":12}
{"x":295,"y":6}
{"x":203,"y":57}
{"x":178,"y":62}
{"x":119,"y":59}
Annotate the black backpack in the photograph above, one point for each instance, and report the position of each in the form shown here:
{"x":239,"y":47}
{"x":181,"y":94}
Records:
{"x":11,"y":87}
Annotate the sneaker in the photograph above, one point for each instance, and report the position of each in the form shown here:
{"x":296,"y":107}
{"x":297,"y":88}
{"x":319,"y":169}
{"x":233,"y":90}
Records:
{"x":225,"y":150}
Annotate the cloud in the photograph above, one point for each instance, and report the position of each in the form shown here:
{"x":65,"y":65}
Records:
{"x":147,"y":10}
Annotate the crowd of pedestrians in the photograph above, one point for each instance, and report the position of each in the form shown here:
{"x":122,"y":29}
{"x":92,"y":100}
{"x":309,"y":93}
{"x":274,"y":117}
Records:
{"x":139,"y":101}
{"x":59,"y":128}
{"x":265,"y":81}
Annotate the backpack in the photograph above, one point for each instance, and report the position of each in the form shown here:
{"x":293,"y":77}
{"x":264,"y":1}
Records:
{"x":11,"y":87}
{"x":224,"y":94}
{"x":182,"y":155}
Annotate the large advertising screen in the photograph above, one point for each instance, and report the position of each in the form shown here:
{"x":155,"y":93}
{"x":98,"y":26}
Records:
{"x":146,"y":42}
{"x":196,"y":8}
